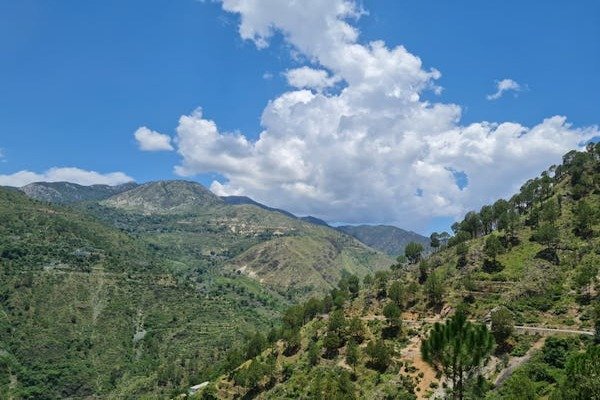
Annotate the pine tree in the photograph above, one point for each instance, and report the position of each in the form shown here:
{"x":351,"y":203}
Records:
{"x":457,"y":348}
{"x":352,"y":354}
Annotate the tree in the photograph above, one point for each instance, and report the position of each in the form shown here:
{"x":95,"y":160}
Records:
{"x":462,"y":249}
{"x":458,"y":348}
{"x":596,"y":318}
{"x":356,"y":329}
{"x":586,"y":274}
{"x":381,"y":280}
{"x":472,"y":224}
{"x":518,"y":387}
{"x":584,"y":219}
{"x":352,"y":354}
{"x":509,"y":222}
{"x":493,"y":246}
{"x":331,"y":343}
{"x":500,"y":207}
{"x":423,"y":271}
{"x":434,"y":239}
{"x":313,"y":354}
{"x":293,"y":317}
{"x":434,"y":288}
{"x":395,"y":293}
{"x":547,"y":234}
{"x":312,"y":308}
{"x":392,"y":314}
{"x":353,"y":285}
{"x":413,"y":251}
{"x":549,"y":211}
{"x":502,"y":325}
{"x":255,"y":345}
{"x":379,"y":355}
{"x":582,"y":372}
{"x":487,"y":218}
{"x":337,"y":321}
{"x":292,"y":341}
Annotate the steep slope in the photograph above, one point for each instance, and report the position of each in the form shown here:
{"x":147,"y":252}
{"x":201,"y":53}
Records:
{"x":88,"y":311}
{"x":189,"y":223}
{"x":389,"y":239}
{"x":66,"y":192}
{"x":239,"y":200}
{"x":528,"y":268}
{"x":304,"y":265}
{"x":165,"y":197}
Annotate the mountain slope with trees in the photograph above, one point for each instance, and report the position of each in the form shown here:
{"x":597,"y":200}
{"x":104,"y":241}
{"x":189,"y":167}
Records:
{"x":198,"y":228}
{"x":67,"y":193}
{"x":389,"y":239}
{"x":465,"y":322}
{"x":87,"y":310}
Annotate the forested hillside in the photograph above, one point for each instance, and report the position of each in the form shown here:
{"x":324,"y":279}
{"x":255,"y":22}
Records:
{"x":89,"y":310}
{"x":507,"y":308}
{"x":143,"y":294}
{"x":389,"y":239}
{"x":192,"y":225}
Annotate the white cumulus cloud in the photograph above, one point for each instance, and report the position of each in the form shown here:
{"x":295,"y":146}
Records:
{"x":504,"y":86}
{"x":149,"y":140}
{"x":310,"y":78}
{"x":373,"y":151}
{"x":64,"y":174}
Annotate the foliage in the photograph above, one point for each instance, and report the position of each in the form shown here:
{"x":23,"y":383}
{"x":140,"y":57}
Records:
{"x":582,"y":375}
{"x":379,"y":354}
{"x":458,"y":348}
{"x":413,"y":251}
{"x":502,"y":325}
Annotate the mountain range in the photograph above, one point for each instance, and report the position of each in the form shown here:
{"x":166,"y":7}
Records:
{"x":145,"y":291}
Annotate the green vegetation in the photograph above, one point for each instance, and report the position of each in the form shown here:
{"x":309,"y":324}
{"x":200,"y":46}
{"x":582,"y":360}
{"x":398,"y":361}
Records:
{"x":457,"y":348}
{"x":531,"y":260}
{"x":87,"y":309}
{"x":389,"y":239}
{"x":164,"y":286}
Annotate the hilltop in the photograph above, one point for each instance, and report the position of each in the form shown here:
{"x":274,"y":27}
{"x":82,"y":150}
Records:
{"x":164,"y":197}
{"x":283,"y":252}
{"x":527,"y":268}
{"x":389,"y":239}
{"x":66,"y":192}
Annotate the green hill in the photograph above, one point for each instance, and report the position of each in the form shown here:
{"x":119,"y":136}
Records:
{"x":66,"y":192}
{"x":527,"y":268}
{"x":389,"y":239}
{"x":188,"y":222}
{"x":87,"y":310}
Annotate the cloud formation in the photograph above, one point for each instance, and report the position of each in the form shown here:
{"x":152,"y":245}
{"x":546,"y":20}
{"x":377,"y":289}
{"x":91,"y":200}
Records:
{"x":310,"y":78}
{"x":149,"y":140}
{"x":503,"y":86}
{"x":64,"y":174}
{"x":371,"y":150}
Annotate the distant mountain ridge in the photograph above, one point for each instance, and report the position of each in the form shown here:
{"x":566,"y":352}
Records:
{"x":67,"y":192}
{"x":176,"y":196}
{"x":165,"y":197}
{"x":386,"y":238}
{"x":238,"y":200}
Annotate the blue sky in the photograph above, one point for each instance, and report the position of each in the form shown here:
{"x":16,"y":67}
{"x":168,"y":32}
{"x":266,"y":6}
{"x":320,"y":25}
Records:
{"x":78,"y":78}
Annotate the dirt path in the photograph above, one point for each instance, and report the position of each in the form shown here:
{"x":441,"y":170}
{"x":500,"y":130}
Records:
{"x":412,"y":353}
{"x":550,"y":331}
